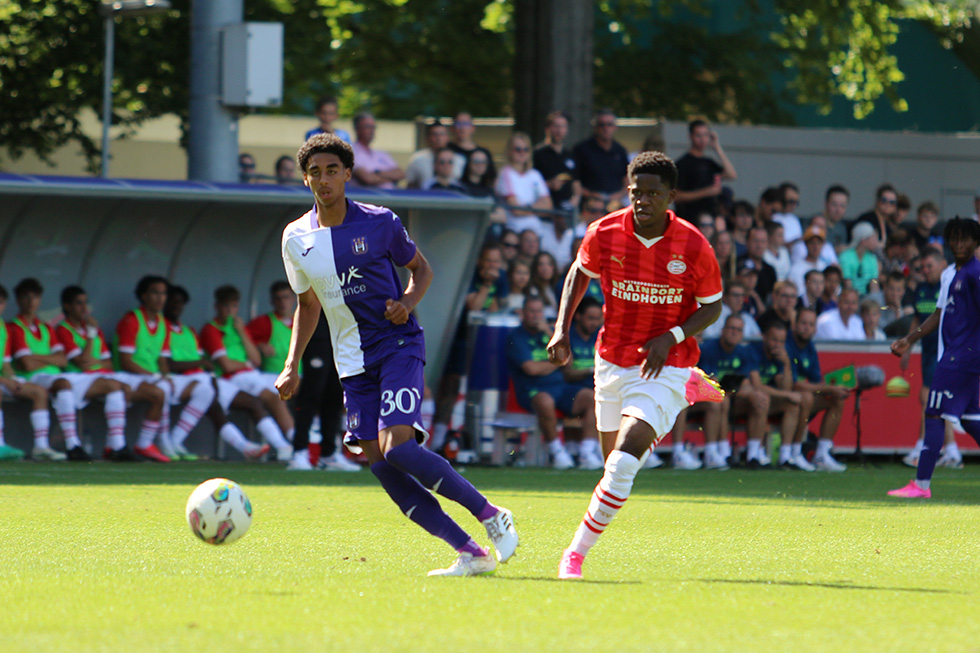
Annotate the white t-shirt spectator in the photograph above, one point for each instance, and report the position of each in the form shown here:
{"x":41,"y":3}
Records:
{"x":560,"y":248}
{"x":792,"y":229}
{"x":526,"y":188}
{"x":780,"y":263}
{"x":797,"y":273}
{"x":750,"y":329}
{"x":421,"y":168}
{"x":830,"y":326}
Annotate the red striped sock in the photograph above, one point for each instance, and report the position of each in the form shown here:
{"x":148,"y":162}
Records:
{"x":609,"y":496}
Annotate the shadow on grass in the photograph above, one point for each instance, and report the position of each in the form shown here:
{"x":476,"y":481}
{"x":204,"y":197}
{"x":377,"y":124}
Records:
{"x":580,"y":581}
{"x":859,"y":486}
{"x":840,"y":585}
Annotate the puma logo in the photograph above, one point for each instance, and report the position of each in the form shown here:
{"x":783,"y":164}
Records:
{"x":619,"y":260}
{"x":307,"y":251}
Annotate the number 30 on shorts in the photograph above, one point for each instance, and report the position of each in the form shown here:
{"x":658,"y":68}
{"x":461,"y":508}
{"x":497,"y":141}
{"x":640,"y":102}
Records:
{"x":403,"y":400}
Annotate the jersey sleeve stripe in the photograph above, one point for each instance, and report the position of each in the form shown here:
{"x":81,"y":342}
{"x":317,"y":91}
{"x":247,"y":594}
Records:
{"x":709,"y":300}
{"x":585,"y":271}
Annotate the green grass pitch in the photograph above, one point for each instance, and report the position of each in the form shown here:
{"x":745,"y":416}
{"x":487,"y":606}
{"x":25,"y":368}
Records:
{"x":99,"y":558}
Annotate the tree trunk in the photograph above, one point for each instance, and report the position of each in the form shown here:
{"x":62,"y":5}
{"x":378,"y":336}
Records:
{"x":553,"y":64}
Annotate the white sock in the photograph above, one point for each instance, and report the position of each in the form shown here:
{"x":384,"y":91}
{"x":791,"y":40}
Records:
{"x":711,"y":449}
{"x":572,"y":447}
{"x":270,"y":431}
{"x":785,"y":453}
{"x":725,"y":449}
{"x":41,"y":423}
{"x":291,"y":433}
{"x":555,"y":447}
{"x":202,"y":395}
{"x":678,"y":449}
{"x":438,"y":440}
{"x":64,"y":409}
{"x":796,"y":449}
{"x":917,"y":449}
{"x":148,"y":433}
{"x":428,"y":410}
{"x":115,"y":417}
{"x":923,"y":484}
{"x":235,"y":438}
{"x":823,"y":447}
{"x":590,"y":448}
{"x":752,"y":448}
{"x":953,"y":451}
{"x":609,"y":496}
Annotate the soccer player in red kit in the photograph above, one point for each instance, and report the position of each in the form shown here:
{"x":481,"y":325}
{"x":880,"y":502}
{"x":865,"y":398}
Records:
{"x":662,"y":286}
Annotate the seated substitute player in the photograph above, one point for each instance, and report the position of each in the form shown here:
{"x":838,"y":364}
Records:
{"x":12,"y":386}
{"x":817,"y":395}
{"x":581,"y":371}
{"x":89,"y":359}
{"x":226,"y":341}
{"x":662,"y":287}
{"x":732,"y":362}
{"x":41,"y":359}
{"x":540,"y":387}
{"x":341,"y":256}
{"x":187,"y":360}
{"x":270,"y":331}
{"x":142,"y":353}
{"x":954,"y":395}
{"x":778,"y":376}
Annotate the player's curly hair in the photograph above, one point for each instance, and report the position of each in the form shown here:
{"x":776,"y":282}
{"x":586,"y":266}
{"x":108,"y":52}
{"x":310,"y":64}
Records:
{"x":962,"y":228}
{"x":328,"y":144}
{"x":654,"y":163}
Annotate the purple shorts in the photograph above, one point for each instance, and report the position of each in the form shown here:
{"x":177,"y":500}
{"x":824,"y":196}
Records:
{"x":389,"y":394}
{"x":954,"y":393}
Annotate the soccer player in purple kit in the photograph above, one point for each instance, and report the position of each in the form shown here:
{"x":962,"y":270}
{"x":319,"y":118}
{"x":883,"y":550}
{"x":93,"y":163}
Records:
{"x":341,"y":257}
{"x":954,"y":394}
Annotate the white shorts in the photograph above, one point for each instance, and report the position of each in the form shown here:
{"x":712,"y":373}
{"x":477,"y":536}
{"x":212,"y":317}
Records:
{"x":182,"y":381}
{"x":254,"y":382}
{"x":226,"y":393}
{"x":622,"y":391}
{"x":80,"y":383}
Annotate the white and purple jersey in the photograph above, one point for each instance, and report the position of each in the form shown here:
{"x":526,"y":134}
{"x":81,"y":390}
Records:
{"x":959,"y":322}
{"x":351,"y":268}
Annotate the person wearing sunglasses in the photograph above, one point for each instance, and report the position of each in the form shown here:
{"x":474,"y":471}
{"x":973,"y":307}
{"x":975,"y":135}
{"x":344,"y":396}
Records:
{"x":521,"y":187}
{"x":880,"y":217}
{"x":601,"y":160}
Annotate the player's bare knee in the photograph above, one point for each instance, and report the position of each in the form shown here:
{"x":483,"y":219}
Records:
{"x":60,"y":385}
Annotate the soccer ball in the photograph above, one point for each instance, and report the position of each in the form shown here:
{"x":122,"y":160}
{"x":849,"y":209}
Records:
{"x":218,"y":511}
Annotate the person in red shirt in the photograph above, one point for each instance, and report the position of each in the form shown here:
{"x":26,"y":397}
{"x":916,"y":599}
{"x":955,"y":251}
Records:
{"x":662,"y":287}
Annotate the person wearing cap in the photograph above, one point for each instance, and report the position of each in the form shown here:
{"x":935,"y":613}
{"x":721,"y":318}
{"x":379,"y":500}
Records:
{"x":828,"y":255}
{"x":858,"y":263}
{"x":814,"y":239}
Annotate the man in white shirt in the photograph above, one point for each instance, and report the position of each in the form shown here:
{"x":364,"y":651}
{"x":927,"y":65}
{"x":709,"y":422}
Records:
{"x":421,"y":165}
{"x":841,"y":323}
{"x":732,"y":302}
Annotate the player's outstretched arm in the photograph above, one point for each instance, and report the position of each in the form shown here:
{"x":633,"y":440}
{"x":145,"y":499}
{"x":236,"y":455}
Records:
{"x":559,"y":351}
{"x":658,"y":348}
{"x":398,"y":310}
{"x":304,"y":324}
{"x":902,"y":345}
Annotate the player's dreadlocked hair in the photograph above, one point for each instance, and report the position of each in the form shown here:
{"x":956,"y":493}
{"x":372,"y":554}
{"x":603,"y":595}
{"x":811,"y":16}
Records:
{"x":654,"y":163}
{"x":328,"y":144}
{"x":962,"y":228}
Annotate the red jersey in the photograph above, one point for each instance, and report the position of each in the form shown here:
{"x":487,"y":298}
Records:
{"x":66,"y":336}
{"x":650,"y":285}
{"x":18,"y":339}
{"x":128,"y":329}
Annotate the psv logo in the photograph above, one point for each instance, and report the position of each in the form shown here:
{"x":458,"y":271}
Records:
{"x":676,"y":266}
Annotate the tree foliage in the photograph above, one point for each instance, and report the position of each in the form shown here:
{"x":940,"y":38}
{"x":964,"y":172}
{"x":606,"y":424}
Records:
{"x":842,"y":48}
{"x":403,"y":58}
